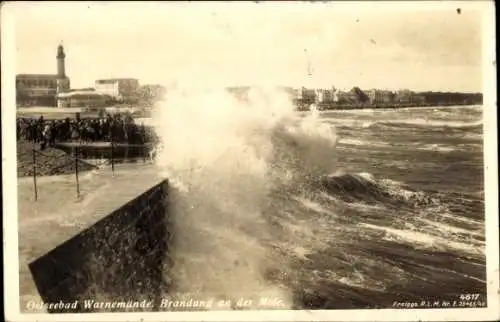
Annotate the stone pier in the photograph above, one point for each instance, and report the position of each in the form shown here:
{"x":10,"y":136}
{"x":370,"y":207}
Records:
{"x":109,"y":244}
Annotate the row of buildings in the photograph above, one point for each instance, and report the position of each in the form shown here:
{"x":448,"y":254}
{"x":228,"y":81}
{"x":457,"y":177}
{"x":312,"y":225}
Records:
{"x":356,"y":96}
{"x":326,"y":98}
{"x":55,"y":90}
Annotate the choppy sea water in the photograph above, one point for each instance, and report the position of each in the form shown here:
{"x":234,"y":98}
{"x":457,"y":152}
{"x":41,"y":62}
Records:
{"x":339,"y":209}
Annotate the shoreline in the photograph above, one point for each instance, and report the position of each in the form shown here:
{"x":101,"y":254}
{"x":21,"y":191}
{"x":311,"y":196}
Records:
{"x":385,"y":107}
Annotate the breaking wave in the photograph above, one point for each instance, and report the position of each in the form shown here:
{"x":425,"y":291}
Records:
{"x":259,"y":206}
{"x":224,"y":157}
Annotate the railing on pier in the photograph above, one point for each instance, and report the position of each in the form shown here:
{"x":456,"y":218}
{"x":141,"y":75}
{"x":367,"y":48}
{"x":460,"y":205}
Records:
{"x":83,"y":157}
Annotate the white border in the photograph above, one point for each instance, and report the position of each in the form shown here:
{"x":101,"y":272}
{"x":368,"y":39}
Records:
{"x":11,"y":262}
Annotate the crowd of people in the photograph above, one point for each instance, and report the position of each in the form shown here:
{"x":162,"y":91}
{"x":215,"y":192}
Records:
{"x":111,"y":128}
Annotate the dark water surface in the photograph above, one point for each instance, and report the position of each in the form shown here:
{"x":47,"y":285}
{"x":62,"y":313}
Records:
{"x":401,"y":220}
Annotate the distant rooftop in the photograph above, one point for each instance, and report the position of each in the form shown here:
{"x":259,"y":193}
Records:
{"x":52,"y":76}
{"x":87,"y":89}
{"x":81,"y":93}
{"x":115,"y":79}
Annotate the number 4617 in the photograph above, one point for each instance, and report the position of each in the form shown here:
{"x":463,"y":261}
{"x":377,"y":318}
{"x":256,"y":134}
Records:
{"x":469,"y":297}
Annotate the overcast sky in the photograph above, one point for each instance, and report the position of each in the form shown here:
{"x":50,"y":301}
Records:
{"x":223,"y":44}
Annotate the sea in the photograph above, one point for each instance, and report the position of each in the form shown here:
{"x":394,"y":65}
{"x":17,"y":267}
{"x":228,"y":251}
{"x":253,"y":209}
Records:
{"x":345,"y":209}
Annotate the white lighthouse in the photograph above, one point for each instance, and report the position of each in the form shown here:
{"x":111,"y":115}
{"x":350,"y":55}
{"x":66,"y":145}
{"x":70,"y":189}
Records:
{"x":62,"y":81}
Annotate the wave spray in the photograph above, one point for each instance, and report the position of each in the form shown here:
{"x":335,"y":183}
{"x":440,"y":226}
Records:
{"x":224,"y":157}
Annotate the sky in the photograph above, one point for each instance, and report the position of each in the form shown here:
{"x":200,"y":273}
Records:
{"x":368,"y":45}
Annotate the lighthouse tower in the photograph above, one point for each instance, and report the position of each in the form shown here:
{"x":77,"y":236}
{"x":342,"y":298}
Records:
{"x":62,"y":80}
{"x":60,"y":62}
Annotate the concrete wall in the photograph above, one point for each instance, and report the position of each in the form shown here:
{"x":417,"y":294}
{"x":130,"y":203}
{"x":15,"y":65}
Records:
{"x":121,"y":257}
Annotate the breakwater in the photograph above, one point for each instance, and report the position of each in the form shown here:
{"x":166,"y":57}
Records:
{"x":120,"y":257}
